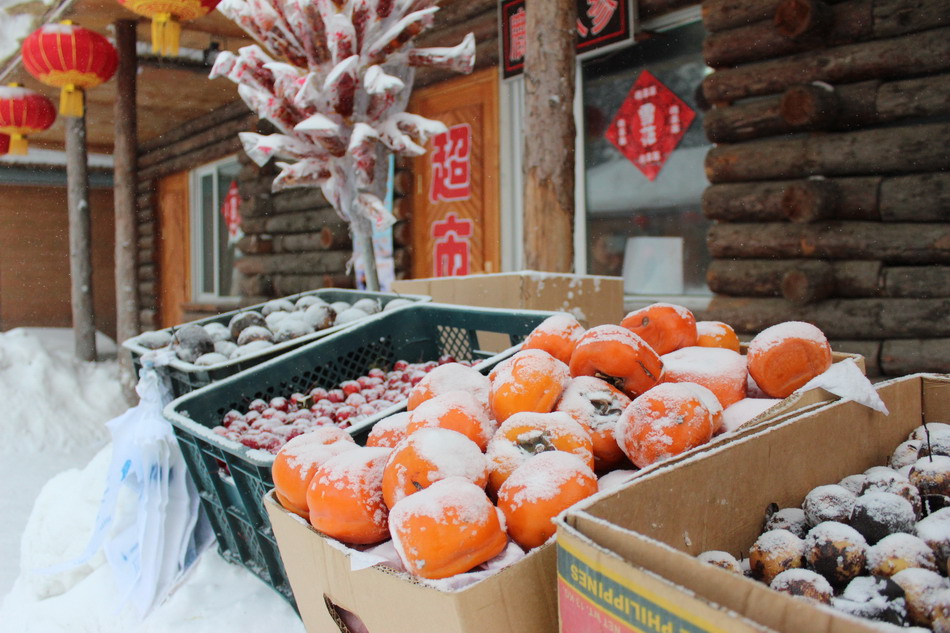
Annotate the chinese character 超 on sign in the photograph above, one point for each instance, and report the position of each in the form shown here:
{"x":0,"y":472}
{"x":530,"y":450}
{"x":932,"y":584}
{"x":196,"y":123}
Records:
{"x":451,"y":165}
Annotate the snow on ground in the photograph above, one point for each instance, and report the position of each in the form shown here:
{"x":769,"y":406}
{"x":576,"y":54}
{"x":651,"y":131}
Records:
{"x":53,"y":465}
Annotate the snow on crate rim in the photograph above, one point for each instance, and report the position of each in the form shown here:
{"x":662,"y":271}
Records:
{"x":177,"y":363}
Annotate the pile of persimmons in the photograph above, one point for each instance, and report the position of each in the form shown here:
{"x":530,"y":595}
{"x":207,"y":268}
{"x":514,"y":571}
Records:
{"x":477,"y":460}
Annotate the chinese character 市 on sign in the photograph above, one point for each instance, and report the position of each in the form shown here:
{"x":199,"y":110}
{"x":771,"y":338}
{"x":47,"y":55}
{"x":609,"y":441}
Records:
{"x":451,"y":247}
{"x":649,"y":125}
{"x":451,"y":165}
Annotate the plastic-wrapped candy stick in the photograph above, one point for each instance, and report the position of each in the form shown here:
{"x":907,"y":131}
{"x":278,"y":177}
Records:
{"x":419,"y":128}
{"x":460,"y":59}
{"x":287,"y":81}
{"x":397,"y":35}
{"x":339,"y":88}
{"x":267,"y":107}
{"x":223,"y":65}
{"x":362,"y":148}
{"x":329,"y":132}
{"x":382,"y":89}
{"x":371,"y":207}
{"x":239,"y":12}
{"x":341,"y":38}
{"x":310,"y":172}
{"x":363,"y":18}
{"x":261,"y":148}
{"x":307,"y":27}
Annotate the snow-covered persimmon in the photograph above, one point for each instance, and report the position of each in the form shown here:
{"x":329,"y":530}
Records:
{"x":597,"y":405}
{"x":531,"y":380}
{"x":785,"y":356}
{"x":664,"y":326}
{"x":557,"y":335}
{"x":619,"y":356}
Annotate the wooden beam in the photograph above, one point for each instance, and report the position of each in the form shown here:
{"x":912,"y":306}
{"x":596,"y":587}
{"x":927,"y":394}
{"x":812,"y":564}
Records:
{"x":800,"y":281}
{"x":897,"y":243}
{"x":80,"y":238}
{"x":722,"y":15}
{"x":917,"y":148}
{"x":549,"y":134}
{"x":925,"y":53}
{"x":124,"y":178}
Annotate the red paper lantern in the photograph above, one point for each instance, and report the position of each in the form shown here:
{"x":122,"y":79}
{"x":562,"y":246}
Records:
{"x":166,"y":18}
{"x":71,"y":58}
{"x":23,"y":111}
{"x":4,"y":144}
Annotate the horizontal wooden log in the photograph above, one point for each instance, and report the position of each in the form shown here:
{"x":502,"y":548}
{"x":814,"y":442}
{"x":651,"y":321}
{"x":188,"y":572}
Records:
{"x":869,"y":350}
{"x":302,"y":222}
{"x":648,"y":9}
{"x":145,"y":242}
{"x":233,"y":110}
{"x":402,"y":208}
{"x":913,"y":198}
{"x":258,"y":205}
{"x":907,"y":149}
{"x":839,"y":318}
{"x":898,"y":243}
{"x":925,"y":282}
{"x":802,"y":25}
{"x":296,"y":263}
{"x":336,"y":237}
{"x":148,"y":300}
{"x":254,"y":187}
{"x":721,"y":15}
{"x":798,"y":280}
{"x":292,"y":284}
{"x":299,"y":199}
{"x":402,"y":234}
{"x":148,"y":320}
{"x":926,"y":53}
{"x":256,"y":285}
{"x":256,"y":245}
{"x":810,"y":108}
{"x":185,"y":162}
{"x":910,"y":356}
{"x":146,"y":272}
{"x":145,"y":229}
{"x":192,"y":143}
{"x":145,"y":186}
{"x":402,"y":182}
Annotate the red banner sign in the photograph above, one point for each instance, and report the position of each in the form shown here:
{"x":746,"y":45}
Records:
{"x":649,"y":125}
{"x":231,"y":210}
{"x":451,"y":248}
{"x":451,"y":165}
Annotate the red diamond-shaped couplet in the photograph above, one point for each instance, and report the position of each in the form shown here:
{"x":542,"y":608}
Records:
{"x":649,"y":125}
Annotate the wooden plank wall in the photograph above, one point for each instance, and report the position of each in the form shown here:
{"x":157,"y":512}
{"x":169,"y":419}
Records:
{"x":830,"y":185}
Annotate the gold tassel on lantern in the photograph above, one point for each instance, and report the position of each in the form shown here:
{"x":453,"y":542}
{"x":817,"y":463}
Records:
{"x":71,"y":101}
{"x":18,"y":144}
{"x":166,"y":33}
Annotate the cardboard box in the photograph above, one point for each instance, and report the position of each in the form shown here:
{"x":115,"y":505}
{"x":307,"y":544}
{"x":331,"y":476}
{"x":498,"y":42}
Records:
{"x":626,"y":560}
{"x":519,"y":598}
{"x":593,"y":300}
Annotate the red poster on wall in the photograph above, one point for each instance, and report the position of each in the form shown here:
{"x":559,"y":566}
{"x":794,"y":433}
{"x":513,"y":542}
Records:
{"x":451,"y":246}
{"x":231,"y":210}
{"x":649,"y":125}
{"x":452,"y":165}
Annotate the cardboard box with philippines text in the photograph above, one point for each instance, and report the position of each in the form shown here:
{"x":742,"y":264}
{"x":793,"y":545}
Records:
{"x":626,"y":559}
{"x":593,"y":300}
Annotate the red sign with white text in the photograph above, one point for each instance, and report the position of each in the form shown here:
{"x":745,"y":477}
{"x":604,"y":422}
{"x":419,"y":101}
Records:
{"x":452,"y":165}
{"x":231,"y":210}
{"x":649,"y":125}
{"x":451,"y":247}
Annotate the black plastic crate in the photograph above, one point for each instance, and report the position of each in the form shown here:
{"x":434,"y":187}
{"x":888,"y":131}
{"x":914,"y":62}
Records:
{"x":232,"y":479}
{"x":185,"y":377}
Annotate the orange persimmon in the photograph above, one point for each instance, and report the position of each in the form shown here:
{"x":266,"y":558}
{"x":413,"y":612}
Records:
{"x":784,"y":357}
{"x":716,"y":334}
{"x":539,"y":490}
{"x":667,"y":420}
{"x":664,"y":326}
{"x":619,"y":356}
{"x":430,"y":455}
{"x":531,"y":380}
{"x":557,"y":335}
{"x":298,"y":460}
{"x":446,"y":378}
{"x":722,"y":371}
{"x":446,"y":529}
{"x":456,"y":410}
{"x":389,"y":431}
{"x":597,"y":405}
{"x":527,"y":434}
{"x":345,"y":496}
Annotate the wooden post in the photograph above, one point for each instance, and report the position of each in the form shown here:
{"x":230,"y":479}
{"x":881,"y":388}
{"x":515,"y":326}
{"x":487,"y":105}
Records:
{"x":549,"y":135}
{"x":80,"y":238}
{"x":124,"y":188}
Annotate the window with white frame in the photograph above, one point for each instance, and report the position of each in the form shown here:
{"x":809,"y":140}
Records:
{"x":213,"y":249}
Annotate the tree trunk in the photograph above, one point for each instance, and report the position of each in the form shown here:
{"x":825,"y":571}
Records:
{"x":124,"y":156}
{"x":909,"y":149}
{"x":925,"y":53}
{"x":549,"y":135}
{"x":80,"y":238}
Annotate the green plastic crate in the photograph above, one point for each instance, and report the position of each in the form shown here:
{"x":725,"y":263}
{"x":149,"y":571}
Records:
{"x":186,"y":377}
{"x":232,"y":479}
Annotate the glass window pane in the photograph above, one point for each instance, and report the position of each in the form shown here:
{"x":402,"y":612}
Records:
{"x":227,"y":282}
{"x":206,"y":241}
{"x":622,"y":203}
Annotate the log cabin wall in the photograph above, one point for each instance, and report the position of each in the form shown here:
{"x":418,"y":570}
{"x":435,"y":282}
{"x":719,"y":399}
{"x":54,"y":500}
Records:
{"x":830,"y":188}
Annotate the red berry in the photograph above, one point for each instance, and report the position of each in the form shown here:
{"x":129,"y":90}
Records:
{"x":257,"y":405}
{"x":318,"y":393}
{"x":355,"y":399}
{"x":324,"y":420}
{"x":350,"y":386}
{"x":280,"y":403}
{"x":336,"y":395}
{"x":344,"y":412}
{"x":232,"y":416}
{"x":367,"y":409}
{"x":446,"y":358}
{"x":221,"y":430}
{"x":365,"y":382}
{"x":376,"y":372}
{"x":400,"y":365}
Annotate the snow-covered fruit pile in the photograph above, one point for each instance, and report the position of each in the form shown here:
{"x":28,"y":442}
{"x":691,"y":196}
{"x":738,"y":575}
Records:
{"x":253,"y":331}
{"x":875,"y":545}
{"x":334,"y":81}
{"x":269,"y":424}
{"x":478,"y":463}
